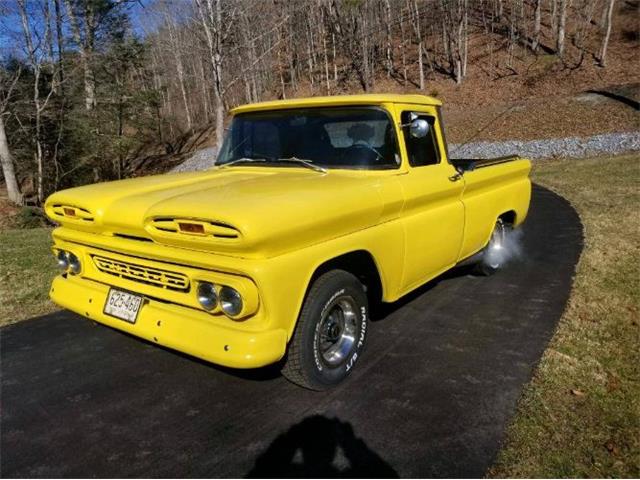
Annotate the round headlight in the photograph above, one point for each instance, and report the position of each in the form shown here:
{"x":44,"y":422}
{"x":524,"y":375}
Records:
{"x":230,"y":301}
{"x":207,"y":296}
{"x":63,"y":263}
{"x":74,"y":263}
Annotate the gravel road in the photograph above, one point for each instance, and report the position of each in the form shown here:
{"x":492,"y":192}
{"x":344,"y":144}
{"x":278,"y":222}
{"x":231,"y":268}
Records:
{"x":572,"y":147}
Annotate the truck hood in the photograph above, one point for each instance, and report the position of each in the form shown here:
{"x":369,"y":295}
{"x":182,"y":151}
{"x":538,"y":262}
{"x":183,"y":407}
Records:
{"x":245,"y":211}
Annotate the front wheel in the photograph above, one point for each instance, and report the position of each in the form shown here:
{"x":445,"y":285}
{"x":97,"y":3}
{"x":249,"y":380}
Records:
{"x":330,"y":334}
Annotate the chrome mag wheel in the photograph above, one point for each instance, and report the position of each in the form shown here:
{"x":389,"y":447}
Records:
{"x":495,"y":253}
{"x":338,"y":330}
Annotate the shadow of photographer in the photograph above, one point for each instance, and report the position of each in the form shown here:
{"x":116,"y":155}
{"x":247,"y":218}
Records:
{"x":312,"y":448}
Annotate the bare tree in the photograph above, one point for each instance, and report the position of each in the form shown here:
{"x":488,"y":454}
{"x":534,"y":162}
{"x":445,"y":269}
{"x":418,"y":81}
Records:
{"x":416,"y":25}
{"x":210,"y":12}
{"x":7,"y":85}
{"x":84,"y":31}
{"x":560,"y":33}
{"x":536,"y":25}
{"x":36,"y":54}
{"x":605,"y":41}
{"x":174,"y":47}
{"x":389,"y":47}
{"x":60,"y":44}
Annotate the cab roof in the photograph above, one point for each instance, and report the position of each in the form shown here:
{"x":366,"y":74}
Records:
{"x":337,"y":100}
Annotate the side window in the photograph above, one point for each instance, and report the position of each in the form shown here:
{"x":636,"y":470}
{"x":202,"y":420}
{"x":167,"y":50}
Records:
{"x":421,"y":151}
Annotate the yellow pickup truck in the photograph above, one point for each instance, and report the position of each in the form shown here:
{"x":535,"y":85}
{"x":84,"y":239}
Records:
{"x":316,"y":209}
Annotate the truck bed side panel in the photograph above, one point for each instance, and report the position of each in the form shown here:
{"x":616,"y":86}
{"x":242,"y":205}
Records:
{"x":489,"y":192}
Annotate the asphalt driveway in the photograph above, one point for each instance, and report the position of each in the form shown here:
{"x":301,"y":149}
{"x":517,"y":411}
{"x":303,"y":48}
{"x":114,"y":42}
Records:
{"x":432,"y":395}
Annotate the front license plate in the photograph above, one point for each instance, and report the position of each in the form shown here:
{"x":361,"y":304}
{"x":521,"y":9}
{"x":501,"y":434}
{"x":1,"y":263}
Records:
{"x":123,"y":305}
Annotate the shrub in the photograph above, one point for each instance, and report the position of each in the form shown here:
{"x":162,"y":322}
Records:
{"x":30,"y":217}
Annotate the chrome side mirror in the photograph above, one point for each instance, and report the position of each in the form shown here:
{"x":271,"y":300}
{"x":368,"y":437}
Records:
{"x":419,"y":128}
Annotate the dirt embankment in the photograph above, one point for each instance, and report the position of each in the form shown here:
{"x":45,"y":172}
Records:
{"x":610,"y":109}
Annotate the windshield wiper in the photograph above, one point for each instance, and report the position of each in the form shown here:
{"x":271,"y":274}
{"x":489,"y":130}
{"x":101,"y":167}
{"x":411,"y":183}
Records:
{"x":300,"y":161}
{"x":242,"y":160}
{"x":306,"y":163}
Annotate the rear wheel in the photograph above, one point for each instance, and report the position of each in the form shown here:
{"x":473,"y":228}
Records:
{"x":330,"y":334}
{"x":495,"y":254}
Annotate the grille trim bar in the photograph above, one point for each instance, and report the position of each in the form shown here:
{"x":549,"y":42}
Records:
{"x":141,"y":273}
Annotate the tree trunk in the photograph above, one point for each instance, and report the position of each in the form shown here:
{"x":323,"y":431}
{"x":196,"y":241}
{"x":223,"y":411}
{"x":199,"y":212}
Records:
{"x":389,"y":48}
{"x":89,"y":82}
{"x":536,"y":26}
{"x":49,"y":47}
{"x":13,"y":189}
{"x":465,"y":45}
{"x":459,"y":46}
{"x":418,"y":32}
{"x":561,"y":28}
{"x":420,"y":66}
{"x":402,"y":50}
{"x":85,"y":45}
{"x":326,"y":64}
{"x":60,"y":43}
{"x":177,"y":56}
{"x":36,"y":65}
{"x":333,"y":56}
{"x":605,"y":41}
{"x":205,"y":90}
{"x":211,"y":17}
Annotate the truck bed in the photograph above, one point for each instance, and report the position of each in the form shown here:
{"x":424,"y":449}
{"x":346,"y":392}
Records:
{"x":475,"y":163}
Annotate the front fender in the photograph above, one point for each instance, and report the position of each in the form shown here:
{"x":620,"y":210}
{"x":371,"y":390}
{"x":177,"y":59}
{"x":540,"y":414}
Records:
{"x":283,"y":281}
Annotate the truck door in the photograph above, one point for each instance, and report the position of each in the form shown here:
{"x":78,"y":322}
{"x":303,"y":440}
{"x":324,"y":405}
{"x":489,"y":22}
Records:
{"x":433,"y":213}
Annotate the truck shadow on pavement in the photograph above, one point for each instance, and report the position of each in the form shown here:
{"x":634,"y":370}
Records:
{"x":320,"y":447}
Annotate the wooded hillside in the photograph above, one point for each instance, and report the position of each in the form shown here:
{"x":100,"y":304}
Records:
{"x":88,"y":85}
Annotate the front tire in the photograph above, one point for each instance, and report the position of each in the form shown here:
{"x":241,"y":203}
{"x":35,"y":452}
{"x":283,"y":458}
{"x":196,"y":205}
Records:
{"x":330,"y":333}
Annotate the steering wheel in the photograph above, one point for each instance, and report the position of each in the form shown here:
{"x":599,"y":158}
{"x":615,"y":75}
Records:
{"x":361,"y":146}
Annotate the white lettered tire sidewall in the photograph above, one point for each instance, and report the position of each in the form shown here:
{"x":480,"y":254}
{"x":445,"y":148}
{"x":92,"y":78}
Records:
{"x":305,"y":364}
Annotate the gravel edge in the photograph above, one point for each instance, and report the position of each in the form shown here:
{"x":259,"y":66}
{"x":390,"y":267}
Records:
{"x":571,"y":147}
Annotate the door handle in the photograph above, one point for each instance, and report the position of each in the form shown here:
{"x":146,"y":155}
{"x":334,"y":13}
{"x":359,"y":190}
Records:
{"x":455,"y":178}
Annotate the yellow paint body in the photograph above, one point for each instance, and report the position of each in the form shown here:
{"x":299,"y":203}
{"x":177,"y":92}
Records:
{"x":276,"y":226}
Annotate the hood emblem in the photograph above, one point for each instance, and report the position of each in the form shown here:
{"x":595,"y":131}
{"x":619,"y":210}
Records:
{"x":69,"y":212}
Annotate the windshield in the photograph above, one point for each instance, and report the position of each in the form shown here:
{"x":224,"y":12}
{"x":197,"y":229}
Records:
{"x":350,"y":137}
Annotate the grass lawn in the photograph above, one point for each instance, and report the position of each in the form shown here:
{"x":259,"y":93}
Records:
{"x":27,"y":267}
{"x":580,"y":416}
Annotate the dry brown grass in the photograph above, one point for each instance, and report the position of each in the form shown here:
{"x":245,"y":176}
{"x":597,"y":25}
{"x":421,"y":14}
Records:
{"x":553,"y":117}
{"x":580,"y":416}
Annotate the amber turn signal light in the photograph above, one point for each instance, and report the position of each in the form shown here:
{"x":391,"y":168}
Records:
{"x":191,"y":228}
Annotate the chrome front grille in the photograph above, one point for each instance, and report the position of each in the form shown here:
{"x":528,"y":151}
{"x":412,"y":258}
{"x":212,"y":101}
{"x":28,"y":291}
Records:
{"x":142,"y":273}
